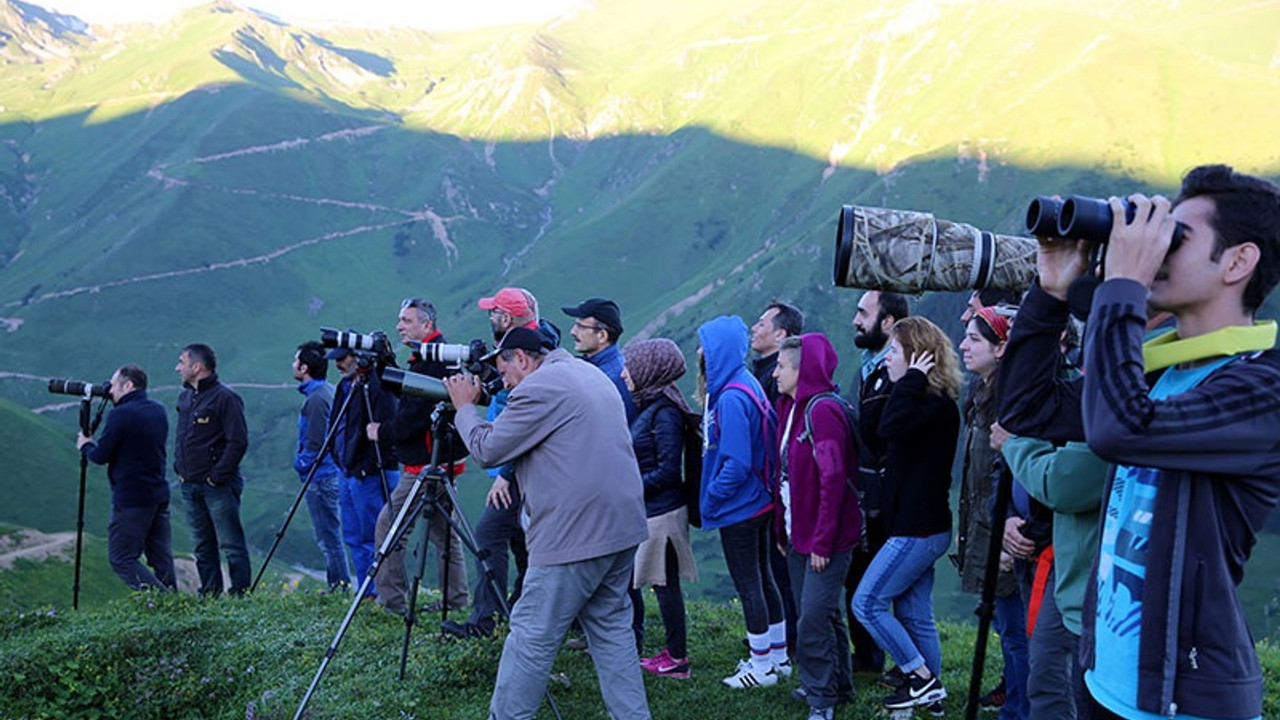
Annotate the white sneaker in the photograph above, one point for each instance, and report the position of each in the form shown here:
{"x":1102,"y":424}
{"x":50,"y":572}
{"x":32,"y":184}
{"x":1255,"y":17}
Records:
{"x":748,"y":677}
{"x":783,"y":668}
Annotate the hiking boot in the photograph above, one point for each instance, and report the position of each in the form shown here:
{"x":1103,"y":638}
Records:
{"x":915,"y":691}
{"x":993,"y":700}
{"x":747,"y":677}
{"x":892,"y":679}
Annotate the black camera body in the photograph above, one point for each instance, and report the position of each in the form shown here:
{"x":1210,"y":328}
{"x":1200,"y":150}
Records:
{"x":467,"y":358}
{"x":371,"y":349}
{"x":63,"y":386}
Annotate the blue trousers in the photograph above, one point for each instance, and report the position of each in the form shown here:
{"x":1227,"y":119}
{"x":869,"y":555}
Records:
{"x":361,"y":501}
{"x":323,"y":496}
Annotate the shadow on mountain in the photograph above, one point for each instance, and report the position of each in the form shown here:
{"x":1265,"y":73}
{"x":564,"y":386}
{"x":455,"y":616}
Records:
{"x":365,"y":60}
{"x":246,"y":218}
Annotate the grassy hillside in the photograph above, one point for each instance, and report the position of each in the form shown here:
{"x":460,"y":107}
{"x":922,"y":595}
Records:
{"x":176,"y":657}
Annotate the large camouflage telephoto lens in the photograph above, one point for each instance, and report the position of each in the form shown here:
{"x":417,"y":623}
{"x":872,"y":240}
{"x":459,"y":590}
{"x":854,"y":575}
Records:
{"x":912,"y":252}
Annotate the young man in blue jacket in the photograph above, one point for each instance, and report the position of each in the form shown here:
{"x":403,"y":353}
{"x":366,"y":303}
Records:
{"x":310,"y":369}
{"x":1189,"y":422}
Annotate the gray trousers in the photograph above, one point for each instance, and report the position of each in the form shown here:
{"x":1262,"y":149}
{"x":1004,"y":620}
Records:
{"x":391,"y":574}
{"x":822,"y":640}
{"x":595,"y":592}
{"x":1055,"y":687}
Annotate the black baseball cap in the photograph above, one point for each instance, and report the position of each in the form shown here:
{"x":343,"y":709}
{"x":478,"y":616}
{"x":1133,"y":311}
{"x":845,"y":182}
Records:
{"x":602,"y":309}
{"x":520,"y":338}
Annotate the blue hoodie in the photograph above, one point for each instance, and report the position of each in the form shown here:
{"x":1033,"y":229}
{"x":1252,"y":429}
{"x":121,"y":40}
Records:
{"x":736,"y":485}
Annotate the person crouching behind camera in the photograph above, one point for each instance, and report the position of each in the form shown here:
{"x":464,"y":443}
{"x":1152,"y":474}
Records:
{"x":565,"y":429}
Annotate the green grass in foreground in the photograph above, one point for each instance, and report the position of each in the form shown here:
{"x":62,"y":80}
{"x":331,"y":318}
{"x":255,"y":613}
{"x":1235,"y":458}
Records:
{"x":180,"y":656}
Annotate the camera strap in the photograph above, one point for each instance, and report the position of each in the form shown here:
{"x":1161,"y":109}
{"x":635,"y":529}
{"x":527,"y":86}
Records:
{"x":1168,"y":350}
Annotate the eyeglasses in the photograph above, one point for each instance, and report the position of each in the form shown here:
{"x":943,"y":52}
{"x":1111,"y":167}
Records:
{"x":583,"y":326}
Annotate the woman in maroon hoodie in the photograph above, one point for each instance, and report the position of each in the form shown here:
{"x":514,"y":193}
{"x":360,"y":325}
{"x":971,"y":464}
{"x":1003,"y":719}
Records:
{"x":821,"y":518}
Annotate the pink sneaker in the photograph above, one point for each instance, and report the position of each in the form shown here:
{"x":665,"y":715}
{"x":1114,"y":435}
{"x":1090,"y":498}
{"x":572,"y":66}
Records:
{"x":672,"y":667}
{"x":662,"y":658}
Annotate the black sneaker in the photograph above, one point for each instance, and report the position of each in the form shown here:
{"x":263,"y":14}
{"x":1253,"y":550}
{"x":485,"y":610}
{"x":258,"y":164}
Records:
{"x":916,"y":691}
{"x":464,"y":631}
{"x":893,"y":679}
{"x":936,"y":709}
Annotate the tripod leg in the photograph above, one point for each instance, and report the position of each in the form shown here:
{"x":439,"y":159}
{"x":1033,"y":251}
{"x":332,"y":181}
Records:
{"x":399,"y":527}
{"x":411,"y":613}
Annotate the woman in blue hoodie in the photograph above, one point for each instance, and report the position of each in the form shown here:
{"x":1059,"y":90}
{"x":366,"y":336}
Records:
{"x":739,"y":461}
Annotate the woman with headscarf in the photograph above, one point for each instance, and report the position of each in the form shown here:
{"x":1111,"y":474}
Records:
{"x":657,"y":435}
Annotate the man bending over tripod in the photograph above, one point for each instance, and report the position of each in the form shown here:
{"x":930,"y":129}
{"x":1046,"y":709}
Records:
{"x":562,"y":416}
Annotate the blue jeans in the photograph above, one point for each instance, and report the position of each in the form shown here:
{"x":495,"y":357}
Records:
{"x":133,"y":531}
{"x":361,"y":501}
{"x":902,"y":574}
{"x":214,"y":515}
{"x":1011,"y":622}
{"x":746,"y":553}
{"x":322,"y":502}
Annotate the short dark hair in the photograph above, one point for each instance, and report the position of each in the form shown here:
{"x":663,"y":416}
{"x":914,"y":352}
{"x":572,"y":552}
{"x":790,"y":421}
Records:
{"x":991,"y":297}
{"x":894,"y":305}
{"x":792,"y":347}
{"x":203,"y":354}
{"x":1245,"y":209}
{"x":789,"y":318}
{"x":135,"y":375}
{"x":311,"y":355}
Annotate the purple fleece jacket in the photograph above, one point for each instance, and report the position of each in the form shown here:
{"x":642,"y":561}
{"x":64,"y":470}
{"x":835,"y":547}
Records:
{"x":825,"y":516}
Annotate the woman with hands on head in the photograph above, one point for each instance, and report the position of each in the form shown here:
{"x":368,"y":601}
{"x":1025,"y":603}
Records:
{"x":920,"y":425}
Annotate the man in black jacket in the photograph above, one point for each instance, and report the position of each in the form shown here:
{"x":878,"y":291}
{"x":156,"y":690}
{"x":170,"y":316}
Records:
{"x":132,"y":447}
{"x":876,"y":314}
{"x":409,"y":433}
{"x":211,"y":440}
{"x":365,"y":484}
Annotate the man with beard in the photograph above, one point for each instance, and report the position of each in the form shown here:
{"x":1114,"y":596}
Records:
{"x":877,"y":312}
{"x":499,"y":526}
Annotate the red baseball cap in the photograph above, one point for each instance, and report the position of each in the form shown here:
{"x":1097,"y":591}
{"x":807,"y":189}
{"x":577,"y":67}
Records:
{"x":518,"y":302}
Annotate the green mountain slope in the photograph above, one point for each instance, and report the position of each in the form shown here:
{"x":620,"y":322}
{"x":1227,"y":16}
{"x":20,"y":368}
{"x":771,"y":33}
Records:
{"x":229,"y":179}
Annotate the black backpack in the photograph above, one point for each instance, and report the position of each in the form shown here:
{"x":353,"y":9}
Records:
{"x":693,"y":466}
{"x":868,"y":483}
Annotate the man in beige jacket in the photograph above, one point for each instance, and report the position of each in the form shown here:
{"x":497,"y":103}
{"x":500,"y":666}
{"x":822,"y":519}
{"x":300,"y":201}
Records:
{"x":565,"y":429}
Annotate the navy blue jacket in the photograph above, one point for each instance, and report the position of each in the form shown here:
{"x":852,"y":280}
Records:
{"x":132,"y":446}
{"x":610,"y":362}
{"x":1218,"y":452}
{"x":657,"y":436}
{"x":212,"y":436}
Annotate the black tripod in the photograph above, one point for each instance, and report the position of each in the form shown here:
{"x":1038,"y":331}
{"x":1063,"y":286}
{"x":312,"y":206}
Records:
{"x":433,"y":489}
{"x":986,"y":606}
{"x":360,"y":383}
{"x":88,"y":425}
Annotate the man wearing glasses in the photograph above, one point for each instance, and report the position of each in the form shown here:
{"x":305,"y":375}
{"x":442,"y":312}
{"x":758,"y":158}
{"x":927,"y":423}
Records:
{"x":597,"y":326}
{"x":408,"y":435}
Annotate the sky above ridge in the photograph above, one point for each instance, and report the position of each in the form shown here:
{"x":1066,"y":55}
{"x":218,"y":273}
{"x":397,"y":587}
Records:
{"x":429,"y":14}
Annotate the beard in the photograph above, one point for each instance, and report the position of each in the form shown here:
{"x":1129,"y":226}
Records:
{"x":872,"y":339}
